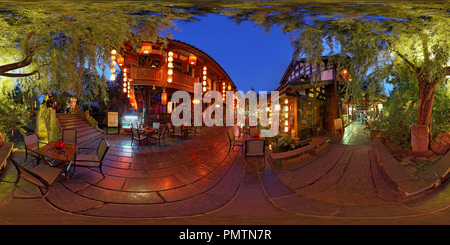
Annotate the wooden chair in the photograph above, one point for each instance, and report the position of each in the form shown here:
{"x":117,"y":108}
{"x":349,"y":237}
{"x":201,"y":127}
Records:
{"x":93,"y":160}
{"x":169,"y":128}
{"x":136,"y":135}
{"x":160,"y":136}
{"x":156,"y":125}
{"x":69,"y":136}
{"x":255,"y":148}
{"x":178,"y":131}
{"x":42,"y":175}
{"x":253,"y":130}
{"x":31,"y":144}
{"x":233,"y":141}
{"x":193,"y":130}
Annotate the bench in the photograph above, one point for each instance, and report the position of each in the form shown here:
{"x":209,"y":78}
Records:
{"x":407,"y":183}
{"x":279,"y":158}
{"x":5,"y":152}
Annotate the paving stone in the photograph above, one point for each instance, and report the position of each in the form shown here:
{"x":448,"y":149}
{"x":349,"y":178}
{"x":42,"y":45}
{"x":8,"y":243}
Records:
{"x":113,"y":196}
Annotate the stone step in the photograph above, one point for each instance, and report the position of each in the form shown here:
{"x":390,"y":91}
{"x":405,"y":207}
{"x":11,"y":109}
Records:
{"x":85,"y":131}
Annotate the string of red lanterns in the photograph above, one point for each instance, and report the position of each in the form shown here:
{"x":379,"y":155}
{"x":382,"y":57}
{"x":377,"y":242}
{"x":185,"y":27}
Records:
{"x":204,"y":78}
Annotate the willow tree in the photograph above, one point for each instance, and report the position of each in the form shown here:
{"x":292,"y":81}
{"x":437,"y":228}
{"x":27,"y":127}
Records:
{"x":52,"y":46}
{"x":373,"y":35}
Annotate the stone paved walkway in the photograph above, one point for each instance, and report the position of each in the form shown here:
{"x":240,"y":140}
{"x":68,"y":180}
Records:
{"x":196,"y":181}
{"x":355,"y":134}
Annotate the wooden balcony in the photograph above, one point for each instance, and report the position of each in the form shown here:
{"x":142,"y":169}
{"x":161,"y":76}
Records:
{"x":158,"y":77}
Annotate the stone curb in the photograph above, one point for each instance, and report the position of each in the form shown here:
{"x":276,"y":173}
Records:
{"x":407,"y":183}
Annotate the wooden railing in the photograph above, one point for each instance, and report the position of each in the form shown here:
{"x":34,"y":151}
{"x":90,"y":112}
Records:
{"x":158,"y":74}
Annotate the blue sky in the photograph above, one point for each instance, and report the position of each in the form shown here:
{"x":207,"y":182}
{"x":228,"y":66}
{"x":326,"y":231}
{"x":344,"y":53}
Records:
{"x":251,"y":57}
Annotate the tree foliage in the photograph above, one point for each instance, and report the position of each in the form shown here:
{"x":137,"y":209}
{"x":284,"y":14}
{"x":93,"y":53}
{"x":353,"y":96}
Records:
{"x":411,"y":36}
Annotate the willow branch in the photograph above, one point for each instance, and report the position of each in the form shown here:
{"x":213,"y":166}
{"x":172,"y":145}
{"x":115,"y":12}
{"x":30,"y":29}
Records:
{"x":414,"y":67}
{"x":18,"y":74}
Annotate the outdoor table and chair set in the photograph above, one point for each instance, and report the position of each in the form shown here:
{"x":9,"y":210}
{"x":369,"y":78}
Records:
{"x":253,"y":145}
{"x":58,"y":158}
{"x":157,"y":132}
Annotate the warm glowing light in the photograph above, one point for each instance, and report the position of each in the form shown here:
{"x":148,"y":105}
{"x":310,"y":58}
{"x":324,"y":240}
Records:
{"x":113,"y":51}
{"x":113,"y":77}
{"x":344,"y":73}
{"x":169,"y":79}
{"x":192,"y":60}
{"x":112,"y":70}
{"x":120,"y":61}
{"x":164,"y":98}
{"x":286,"y":100}
{"x":113,"y":56}
{"x":229,"y":86}
{"x":204,"y":68}
{"x":124,"y":90}
{"x":204,"y":89}
{"x":146,"y":48}
{"x":286,"y":129}
{"x":170,"y":72}
{"x":196,"y":101}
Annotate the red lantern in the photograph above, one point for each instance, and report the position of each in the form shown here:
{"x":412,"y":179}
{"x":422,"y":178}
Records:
{"x":344,"y":73}
{"x":146,"y":48}
{"x":120,"y":61}
{"x":192,"y":60}
{"x":163,"y":98}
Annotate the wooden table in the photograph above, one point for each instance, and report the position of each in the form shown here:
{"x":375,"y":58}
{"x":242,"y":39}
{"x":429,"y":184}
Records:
{"x":50,"y":151}
{"x":149,"y":131}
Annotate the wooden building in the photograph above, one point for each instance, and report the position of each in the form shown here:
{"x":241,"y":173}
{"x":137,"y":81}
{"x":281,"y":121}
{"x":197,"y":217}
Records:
{"x":153,"y":72}
{"x":309,"y":101}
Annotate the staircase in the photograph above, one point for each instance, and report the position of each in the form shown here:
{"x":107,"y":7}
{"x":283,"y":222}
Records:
{"x":85,"y":131}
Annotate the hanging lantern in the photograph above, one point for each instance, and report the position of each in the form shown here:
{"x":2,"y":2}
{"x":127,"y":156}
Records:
{"x":169,"y":79}
{"x":192,"y":60}
{"x":170,"y":72}
{"x":163,"y":98}
{"x":120,"y":61}
{"x":113,"y":70}
{"x":124,"y":90}
{"x":146,"y":48}
{"x":344,"y":73}
{"x":113,"y":51}
{"x":229,"y":86}
{"x":113,"y":57}
{"x":113,"y":77}
{"x":286,"y":100}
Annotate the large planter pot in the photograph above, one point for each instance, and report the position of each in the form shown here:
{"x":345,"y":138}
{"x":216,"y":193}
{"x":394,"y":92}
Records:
{"x":419,"y":138}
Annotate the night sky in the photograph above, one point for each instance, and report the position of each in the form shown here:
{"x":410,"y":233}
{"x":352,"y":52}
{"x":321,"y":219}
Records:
{"x":251,"y":57}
